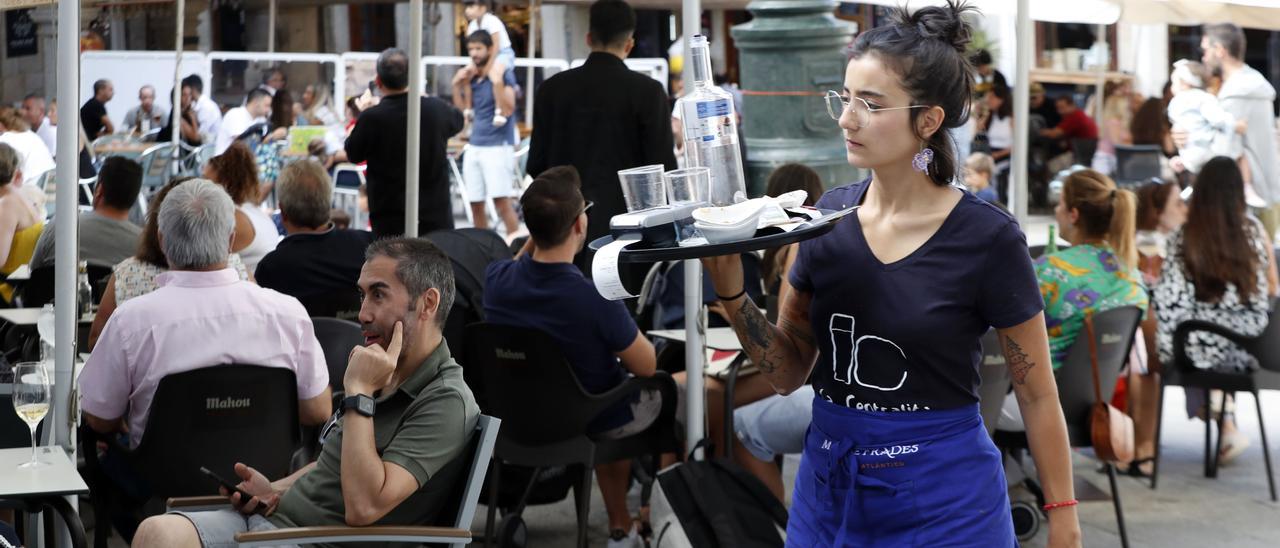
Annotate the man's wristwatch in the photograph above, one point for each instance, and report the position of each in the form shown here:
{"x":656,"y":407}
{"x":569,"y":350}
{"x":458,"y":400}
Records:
{"x":362,"y":404}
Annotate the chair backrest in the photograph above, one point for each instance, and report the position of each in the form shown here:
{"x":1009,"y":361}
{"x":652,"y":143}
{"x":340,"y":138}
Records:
{"x":348,"y":176}
{"x":1137,"y":164}
{"x":467,"y":492}
{"x":214,"y":417}
{"x":45,"y":178}
{"x":342,"y":304}
{"x":1082,"y":151}
{"x":470,"y":252}
{"x":38,"y":290}
{"x":337,"y":338}
{"x":1113,"y":332}
{"x":155,"y":165}
{"x":994,"y":372}
{"x":528,"y":383}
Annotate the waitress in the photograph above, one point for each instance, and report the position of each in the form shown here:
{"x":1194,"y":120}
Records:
{"x":886,"y":312}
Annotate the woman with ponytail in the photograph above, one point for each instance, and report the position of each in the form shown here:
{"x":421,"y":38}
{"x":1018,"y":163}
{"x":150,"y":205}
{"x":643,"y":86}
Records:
{"x":1100,"y":269}
{"x":886,"y":313}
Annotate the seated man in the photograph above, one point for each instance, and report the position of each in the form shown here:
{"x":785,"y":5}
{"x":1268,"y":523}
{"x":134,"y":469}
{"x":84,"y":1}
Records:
{"x":396,"y":448}
{"x":316,"y":259}
{"x":106,"y":235}
{"x":542,"y":289}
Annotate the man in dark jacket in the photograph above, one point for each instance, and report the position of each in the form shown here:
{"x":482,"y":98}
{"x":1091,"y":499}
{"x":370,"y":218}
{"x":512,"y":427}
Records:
{"x":380,"y":138}
{"x":601,"y":118}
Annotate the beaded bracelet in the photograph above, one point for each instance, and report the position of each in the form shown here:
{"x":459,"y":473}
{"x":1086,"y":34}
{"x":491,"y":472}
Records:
{"x":1063,"y":504}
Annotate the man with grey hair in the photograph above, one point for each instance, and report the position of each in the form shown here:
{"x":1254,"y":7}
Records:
{"x":316,"y":263}
{"x":146,"y":116}
{"x":201,"y":316}
{"x":394,"y":452}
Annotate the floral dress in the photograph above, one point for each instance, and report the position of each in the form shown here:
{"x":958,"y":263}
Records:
{"x":1083,"y":279}
{"x":1175,"y":296}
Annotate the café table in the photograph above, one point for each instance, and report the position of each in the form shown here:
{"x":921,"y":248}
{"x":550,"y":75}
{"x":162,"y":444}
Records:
{"x":127,"y":149}
{"x":50,"y":487}
{"x":718,"y":338}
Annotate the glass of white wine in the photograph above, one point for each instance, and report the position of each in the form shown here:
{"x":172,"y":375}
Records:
{"x":31,"y":400}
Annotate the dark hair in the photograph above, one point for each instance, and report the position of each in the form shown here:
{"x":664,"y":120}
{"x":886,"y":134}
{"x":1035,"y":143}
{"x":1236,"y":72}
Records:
{"x":1150,"y":124}
{"x":256,"y":94}
{"x":393,"y":69}
{"x":9,"y":163}
{"x":784,"y":179}
{"x":120,"y":180}
{"x":1065,"y":99}
{"x":1105,"y":211}
{"x":1152,"y":198}
{"x":981,"y":57}
{"x":612,"y":23}
{"x":99,"y":85}
{"x":35,"y":96}
{"x":1216,"y":248}
{"x":552,"y":204}
{"x":420,"y":266}
{"x":194,"y":82}
{"x":482,"y":36}
{"x":237,"y":172}
{"x":1006,"y":100}
{"x":351,"y":104}
{"x":272,"y":72}
{"x":149,"y":250}
{"x":1229,"y":36}
{"x":925,"y":50}
{"x":281,"y":109}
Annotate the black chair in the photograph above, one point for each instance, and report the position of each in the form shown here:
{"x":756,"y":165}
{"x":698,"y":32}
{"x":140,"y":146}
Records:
{"x":1136,"y":165}
{"x":546,"y":412}
{"x":211,"y":417}
{"x":38,"y":290}
{"x":470,"y":251}
{"x":1113,"y":331}
{"x":996,"y":382}
{"x":337,"y":338}
{"x":1082,"y":151}
{"x":1265,"y":348}
{"x":343,"y":304}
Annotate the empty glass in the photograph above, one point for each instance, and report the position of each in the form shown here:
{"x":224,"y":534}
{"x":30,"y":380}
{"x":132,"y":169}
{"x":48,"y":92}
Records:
{"x":689,"y":185}
{"x":31,"y":400}
{"x":643,"y":187}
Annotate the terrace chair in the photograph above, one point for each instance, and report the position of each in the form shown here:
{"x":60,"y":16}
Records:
{"x":155,"y":165}
{"x":1113,"y":331}
{"x":337,"y":338}
{"x":457,"y":532}
{"x":1265,"y":348}
{"x":1136,"y":165}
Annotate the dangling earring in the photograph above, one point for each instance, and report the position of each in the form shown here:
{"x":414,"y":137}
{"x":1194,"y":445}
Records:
{"x":922,"y":159}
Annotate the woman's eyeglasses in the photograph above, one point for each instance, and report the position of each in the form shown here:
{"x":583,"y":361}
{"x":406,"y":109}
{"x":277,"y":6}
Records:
{"x":836,"y":105}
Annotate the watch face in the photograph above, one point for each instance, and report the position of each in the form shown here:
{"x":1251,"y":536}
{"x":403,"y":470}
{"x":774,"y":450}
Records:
{"x":365,"y":406}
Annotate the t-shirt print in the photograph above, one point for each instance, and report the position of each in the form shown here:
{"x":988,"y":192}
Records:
{"x":847,"y":347}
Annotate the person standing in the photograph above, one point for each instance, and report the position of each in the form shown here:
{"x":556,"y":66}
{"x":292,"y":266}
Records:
{"x":94,"y":112}
{"x":379,"y":138}
{"x":600,"y":118}
{"x":489,"y":165}
{"x":146,"y":116}
{"x":1248,"y":96}
{"x":887,"y":313}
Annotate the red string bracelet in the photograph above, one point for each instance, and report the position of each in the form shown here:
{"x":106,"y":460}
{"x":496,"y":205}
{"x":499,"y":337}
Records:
{"x":1063,"y":504}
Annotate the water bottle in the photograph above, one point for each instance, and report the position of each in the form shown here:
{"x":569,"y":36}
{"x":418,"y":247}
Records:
{"x":1052,"y":247}
{"x":711,"y":129}
{"x":84,"y":291}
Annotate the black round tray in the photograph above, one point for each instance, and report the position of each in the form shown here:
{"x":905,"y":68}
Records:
{"x":765,"y":238}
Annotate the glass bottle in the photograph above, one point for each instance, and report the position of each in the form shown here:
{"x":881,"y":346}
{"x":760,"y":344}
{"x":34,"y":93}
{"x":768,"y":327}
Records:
{"x":711,"y":129}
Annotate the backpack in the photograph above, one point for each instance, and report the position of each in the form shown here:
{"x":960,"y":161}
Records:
{"x":714,"y":503}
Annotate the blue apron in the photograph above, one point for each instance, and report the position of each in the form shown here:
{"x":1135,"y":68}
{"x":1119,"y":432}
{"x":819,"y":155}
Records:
{"x":927,"y":478}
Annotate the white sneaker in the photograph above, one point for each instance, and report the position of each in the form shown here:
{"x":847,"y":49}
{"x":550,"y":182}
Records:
{"x":630,"y":540}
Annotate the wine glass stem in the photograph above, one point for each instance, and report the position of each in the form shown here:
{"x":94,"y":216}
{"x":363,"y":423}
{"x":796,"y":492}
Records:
{"x":33,"y":443}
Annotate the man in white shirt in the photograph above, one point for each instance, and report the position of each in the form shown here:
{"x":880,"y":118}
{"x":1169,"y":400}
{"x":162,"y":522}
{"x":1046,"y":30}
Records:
{"x":33,"y":111}
{"x":257,"y":106}
{"x":207,"y":111}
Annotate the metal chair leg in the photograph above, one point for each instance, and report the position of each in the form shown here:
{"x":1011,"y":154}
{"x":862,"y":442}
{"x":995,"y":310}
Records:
{"x":1115,"y":500}
{"x":1266,"y":449}
{"x":582,"y":496}
{"x":493,"y":502}
{"x":1155,"y":464}
{"x":1208,"y":433}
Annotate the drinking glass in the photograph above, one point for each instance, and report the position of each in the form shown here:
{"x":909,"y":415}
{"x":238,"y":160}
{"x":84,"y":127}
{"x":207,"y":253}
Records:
{"x":31,"y":400}
{"x":689,"y":185}
{"x":643,"y":187}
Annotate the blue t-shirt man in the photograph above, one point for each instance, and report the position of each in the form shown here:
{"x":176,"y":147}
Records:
{"x":558,"y":300}
{"x":905,"y":336}
{"x":483,"y":132}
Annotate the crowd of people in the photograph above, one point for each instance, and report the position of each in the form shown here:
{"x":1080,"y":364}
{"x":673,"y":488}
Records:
{"x":232,"y":265}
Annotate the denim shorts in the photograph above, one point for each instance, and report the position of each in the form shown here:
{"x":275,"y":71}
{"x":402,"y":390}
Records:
{"x":218,"y":528}
{"x":776,"y":424}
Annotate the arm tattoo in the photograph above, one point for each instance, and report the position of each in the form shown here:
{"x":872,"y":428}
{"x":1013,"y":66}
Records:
{"x":1019,"y":362}
{"x":800,"y":334}
{"x":758,"y":335}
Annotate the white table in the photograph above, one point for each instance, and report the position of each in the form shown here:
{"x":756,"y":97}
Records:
{"x":29,"y":316}
{"x":53,"y":487}
{"x":718,"y":338}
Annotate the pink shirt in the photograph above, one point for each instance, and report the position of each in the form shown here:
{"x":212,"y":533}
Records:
{"x":195,"y":320}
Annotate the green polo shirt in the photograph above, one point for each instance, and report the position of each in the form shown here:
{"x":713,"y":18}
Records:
{"x":422,"y":426}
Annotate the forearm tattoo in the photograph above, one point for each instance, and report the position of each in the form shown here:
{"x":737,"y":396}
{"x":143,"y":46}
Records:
{"x":1019,"y":362}
{"x":757,"y":335}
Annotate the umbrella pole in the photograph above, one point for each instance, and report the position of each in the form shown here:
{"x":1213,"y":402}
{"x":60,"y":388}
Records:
{"x":414,"y":125}
{"x":176,"y":106}
{"x":1024,"y":36}
{"x":694,"y":355}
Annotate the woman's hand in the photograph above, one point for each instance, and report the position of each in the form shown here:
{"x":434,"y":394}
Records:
{"x":1064,"y":528}
{"x":725,"y":272}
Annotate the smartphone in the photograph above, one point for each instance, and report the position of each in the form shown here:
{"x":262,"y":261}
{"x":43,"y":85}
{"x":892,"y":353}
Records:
{"x":230,"y":487}
{"x":373,"y":88}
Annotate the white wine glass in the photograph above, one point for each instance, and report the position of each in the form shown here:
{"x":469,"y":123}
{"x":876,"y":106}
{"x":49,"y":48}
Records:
{"x":31,"y":400}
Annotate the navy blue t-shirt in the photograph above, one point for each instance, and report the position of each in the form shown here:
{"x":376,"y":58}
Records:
{"x":483,"y":132}
{"x":558,"y":300}
{"x":906,"y":336}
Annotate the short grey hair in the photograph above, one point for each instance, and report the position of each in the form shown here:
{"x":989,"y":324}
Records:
{"x":420,"y":266}
{"x":196,"y":221}
{"x":305,"y":193}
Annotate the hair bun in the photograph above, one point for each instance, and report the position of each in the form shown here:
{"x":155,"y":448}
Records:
{"x":943,"y":23}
